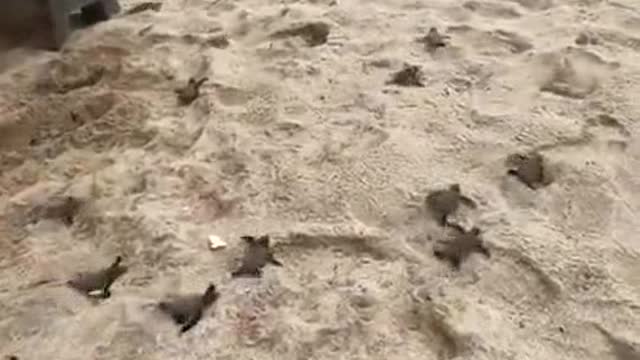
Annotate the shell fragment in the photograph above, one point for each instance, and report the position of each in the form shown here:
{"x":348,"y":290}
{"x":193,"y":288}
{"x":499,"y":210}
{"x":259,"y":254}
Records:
{"x":216,"y":243}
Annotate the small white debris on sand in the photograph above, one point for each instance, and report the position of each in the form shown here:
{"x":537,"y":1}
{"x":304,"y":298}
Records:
{"x":216,"y":243}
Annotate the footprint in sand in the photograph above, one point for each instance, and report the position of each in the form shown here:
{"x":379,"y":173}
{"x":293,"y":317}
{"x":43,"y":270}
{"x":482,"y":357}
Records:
{"x":616,"y":37}
{"x":15,"y":130}
{"x":496,"y":42}
{"x":619,"y":347}
{"x":43,"y":128}
{"x":492,"y":9}
{"x":609,"y":130}
{"x":232,"y":96}
{"x":535,"y":5}
{"x":355,"y":254}
{"x":602,"y":131}
{"x":572,"y":73}
{"x":313,"y":33}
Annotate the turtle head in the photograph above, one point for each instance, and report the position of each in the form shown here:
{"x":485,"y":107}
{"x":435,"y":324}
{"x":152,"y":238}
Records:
{"x":475,"y":231}
{"x":117,"y":261}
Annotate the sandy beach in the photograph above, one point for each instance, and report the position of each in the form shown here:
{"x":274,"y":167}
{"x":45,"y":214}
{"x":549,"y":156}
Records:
{"x":300,"y":134}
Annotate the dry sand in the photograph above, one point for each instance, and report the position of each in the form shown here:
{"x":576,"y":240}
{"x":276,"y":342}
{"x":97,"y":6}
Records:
{"x":308,"y":144}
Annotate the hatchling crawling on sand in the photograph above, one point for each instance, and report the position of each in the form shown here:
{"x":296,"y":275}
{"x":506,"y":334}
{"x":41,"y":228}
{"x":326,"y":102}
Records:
{"x":434,"y":39}
{"x":529,"y":168}
{"x":409,"y":75}
{"x":63,"y":208}
{"x":97,"y":283}
{"x":445,"y":202}
{"x":256,"y":256}
{"x":187,"y":310}
{"x":188,"y":93}
{"x":463,"y":244}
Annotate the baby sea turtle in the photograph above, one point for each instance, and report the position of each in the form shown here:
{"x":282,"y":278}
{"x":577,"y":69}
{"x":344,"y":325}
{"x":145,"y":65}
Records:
{"x":97,"y":284}
{"x":63,"y":208}
{"x":434,"y":39}
{"x":187,"y":310}
{"x":463,"y":244}
{"x":190,"y":92}
{"x":409,"y":75}
{"x":445,"y":202}
{"x":313,"y":33}
{"x":256,"y":256}
{"x":529,"y":168}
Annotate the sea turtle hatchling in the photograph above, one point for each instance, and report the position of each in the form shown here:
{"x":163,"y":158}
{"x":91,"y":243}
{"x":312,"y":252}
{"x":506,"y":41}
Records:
{"x":97,"y":283}
{"x":445,"y":202}
{"x":256,"y":256}
{"x":188,"y":93}
{"x":409,"y":75}
{"x":187,"y":310}
{"x":463,"y":244}
{"x":434,"y":39}
{"x":62,"y":208}
{"x":529,"y":168}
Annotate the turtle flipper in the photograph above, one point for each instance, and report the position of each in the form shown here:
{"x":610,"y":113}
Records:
{"x":173,"y":311}
{"x":468,"y":201}
{"x":484,"y":251}
{"x":191,"y":322}
{"x":247,"y":272}
{"x":200,"y":82}
{"x":274,"y":261}
{"x":106,"y":293}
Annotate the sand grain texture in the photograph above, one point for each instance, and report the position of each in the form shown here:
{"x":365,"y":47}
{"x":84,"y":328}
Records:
{"x":298,"y":135}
